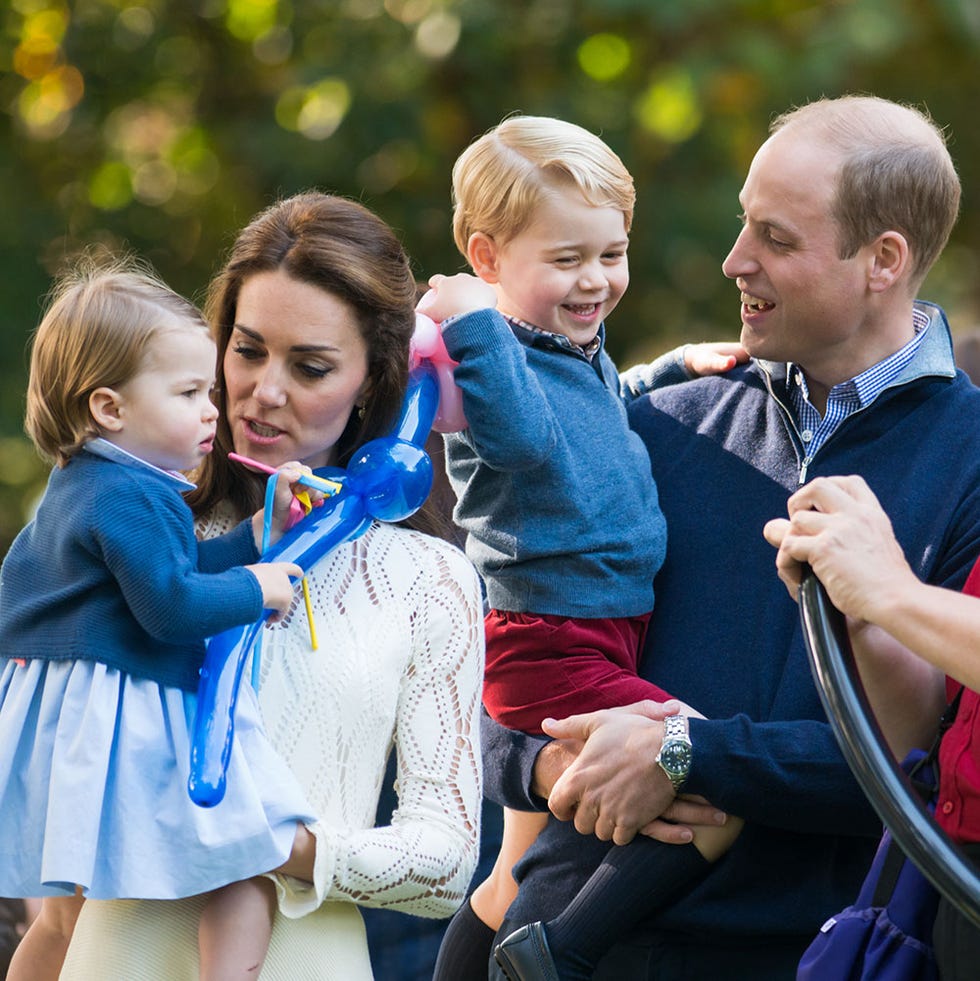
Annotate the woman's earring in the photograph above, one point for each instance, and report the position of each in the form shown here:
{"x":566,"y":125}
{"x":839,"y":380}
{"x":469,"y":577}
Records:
{"x":361,"y":409}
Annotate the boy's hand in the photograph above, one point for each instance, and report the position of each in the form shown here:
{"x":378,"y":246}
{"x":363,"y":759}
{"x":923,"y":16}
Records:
{"x":714,"y":357}
{"x":277,"y":587}
{"x":452,"y":296}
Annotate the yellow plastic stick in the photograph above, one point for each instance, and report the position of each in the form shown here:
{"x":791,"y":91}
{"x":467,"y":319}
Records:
{"x":309,"y":613}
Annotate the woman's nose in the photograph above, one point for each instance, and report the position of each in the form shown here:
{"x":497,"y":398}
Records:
{"x":269,"y":389}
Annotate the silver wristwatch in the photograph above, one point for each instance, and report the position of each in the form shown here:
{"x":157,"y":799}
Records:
{"x":675,"y":751}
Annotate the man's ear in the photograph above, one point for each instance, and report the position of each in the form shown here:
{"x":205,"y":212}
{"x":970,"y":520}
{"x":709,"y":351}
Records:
{"x":890,"y":261}
{"x":481,"y":251}
{"x":105,"y":406}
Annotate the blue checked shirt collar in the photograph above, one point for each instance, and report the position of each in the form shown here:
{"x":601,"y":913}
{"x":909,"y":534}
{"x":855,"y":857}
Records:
{"x":848,"y":397}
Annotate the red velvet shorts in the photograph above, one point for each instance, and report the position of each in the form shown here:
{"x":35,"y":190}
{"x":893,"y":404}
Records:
{"x":541,"y":666}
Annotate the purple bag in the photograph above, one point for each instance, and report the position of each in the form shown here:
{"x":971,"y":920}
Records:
{"x":887,"y":934}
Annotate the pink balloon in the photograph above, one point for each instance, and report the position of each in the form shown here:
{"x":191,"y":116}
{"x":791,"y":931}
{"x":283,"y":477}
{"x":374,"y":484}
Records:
{"x":427,"y":343}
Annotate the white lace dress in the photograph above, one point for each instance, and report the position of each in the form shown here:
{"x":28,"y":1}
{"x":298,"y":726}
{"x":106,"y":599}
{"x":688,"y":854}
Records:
{"x":400,"y":663}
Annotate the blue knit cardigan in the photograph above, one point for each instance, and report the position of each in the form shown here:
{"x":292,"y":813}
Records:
{"x":109,"y":570}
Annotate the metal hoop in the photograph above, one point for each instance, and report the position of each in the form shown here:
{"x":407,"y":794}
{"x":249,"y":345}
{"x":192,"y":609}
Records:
{"x":864,"y":748}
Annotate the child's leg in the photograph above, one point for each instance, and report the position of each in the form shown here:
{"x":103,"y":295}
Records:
{"x":41,"y":951}
{"x":466,"y":945}
{"x":235,"y":927}
{"x":236,"y":924}
{"x":633,"y":881}
{"x":491,"y":897}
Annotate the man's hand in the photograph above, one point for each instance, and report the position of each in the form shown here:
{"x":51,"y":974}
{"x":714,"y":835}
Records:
{"x":614,"y":788}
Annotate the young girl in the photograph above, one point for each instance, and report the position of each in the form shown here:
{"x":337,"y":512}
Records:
{"x":106,"y":599}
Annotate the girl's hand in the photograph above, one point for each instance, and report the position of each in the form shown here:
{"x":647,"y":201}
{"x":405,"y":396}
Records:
{"x":277,"y":586}
{"x":714,"y":357}
{"x":452,"y":296}
{"x":286,"y":509}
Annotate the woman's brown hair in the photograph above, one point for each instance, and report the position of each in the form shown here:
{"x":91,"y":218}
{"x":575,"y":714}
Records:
{"x":346,"y":250}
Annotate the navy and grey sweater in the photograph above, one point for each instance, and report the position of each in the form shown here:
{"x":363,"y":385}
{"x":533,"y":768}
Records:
{"x":553,"y":488}
{"x":726,"y":637}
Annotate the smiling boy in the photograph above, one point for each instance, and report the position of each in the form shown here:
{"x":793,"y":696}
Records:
{"x":553,"y":488}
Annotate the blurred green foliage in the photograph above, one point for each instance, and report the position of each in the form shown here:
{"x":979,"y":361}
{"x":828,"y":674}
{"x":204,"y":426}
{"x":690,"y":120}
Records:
{"x":160,"y":128}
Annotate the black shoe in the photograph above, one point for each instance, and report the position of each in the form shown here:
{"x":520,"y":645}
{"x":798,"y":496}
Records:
{"x":525,"y":955}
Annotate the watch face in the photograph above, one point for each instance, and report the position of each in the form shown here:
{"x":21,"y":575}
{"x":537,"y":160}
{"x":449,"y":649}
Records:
{"x":675,"y":757}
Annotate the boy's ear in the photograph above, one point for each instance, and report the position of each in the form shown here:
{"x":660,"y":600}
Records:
{"x":481,"y":251}
{"x":104,"y":404}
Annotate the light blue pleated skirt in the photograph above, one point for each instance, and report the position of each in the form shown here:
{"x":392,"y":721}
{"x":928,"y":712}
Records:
{"x":93,"y":789}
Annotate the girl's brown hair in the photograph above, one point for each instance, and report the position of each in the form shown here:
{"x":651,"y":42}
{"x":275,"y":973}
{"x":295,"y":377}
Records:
{"x":100,"y":318}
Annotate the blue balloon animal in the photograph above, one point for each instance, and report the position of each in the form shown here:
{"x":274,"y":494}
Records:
{"x":388,"y":479}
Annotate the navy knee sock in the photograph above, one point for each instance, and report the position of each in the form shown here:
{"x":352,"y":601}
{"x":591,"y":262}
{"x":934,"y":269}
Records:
{"x":465,"y":949}
{"x":633,"y":881}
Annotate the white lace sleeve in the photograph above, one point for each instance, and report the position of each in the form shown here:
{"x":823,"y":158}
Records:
{"x":426,"y":602}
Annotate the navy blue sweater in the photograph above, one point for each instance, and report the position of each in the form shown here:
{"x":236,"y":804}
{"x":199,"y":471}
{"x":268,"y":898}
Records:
{"x":726,"y":637}
{"x":553,"y":488}
{"x":109,"y":570}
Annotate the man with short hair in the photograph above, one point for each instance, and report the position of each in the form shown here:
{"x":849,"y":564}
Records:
{"x":845,"y":208}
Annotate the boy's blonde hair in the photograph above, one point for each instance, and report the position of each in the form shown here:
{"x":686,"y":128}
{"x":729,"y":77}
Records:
{"x":100,"y":318}
{"x":500,"y":178}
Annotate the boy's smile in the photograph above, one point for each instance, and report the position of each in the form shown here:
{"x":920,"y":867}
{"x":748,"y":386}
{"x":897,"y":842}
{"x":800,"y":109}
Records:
{"x":567,"y":269}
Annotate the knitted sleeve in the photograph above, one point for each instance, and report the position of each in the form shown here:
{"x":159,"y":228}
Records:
{"x":668,"y":369}
{"x":399,"y":666}
{"x":423,"y":861}
{"x":146,"y":540}
{"x":499,"y":390}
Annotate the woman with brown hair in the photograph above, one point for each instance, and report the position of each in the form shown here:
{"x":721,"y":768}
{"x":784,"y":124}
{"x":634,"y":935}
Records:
{"x":313,"y":313}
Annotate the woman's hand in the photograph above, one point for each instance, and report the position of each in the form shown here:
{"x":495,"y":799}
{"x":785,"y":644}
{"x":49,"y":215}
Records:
{"x":287,"y":509}
{"x":302,"y":858}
